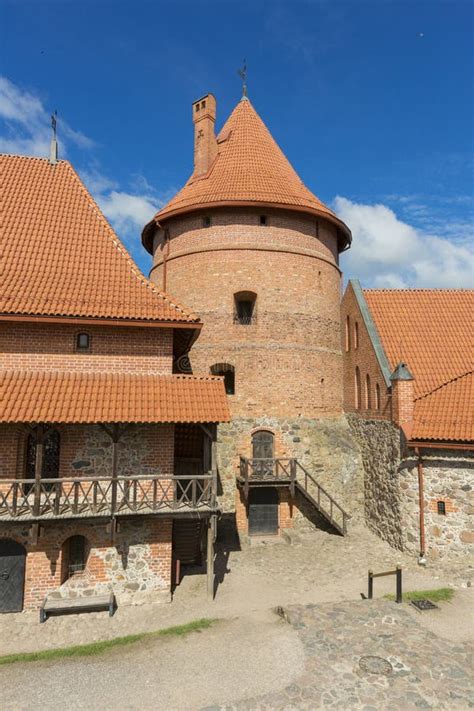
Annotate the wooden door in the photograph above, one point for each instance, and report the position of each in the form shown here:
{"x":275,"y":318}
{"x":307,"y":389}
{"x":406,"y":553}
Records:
{"x":12,"y":575}
{"x":263,"y":511}
{"x":263,"y":452}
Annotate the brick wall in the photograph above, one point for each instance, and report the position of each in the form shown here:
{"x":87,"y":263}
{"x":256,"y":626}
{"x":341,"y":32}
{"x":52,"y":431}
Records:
{"x":402,"y":401}
{"x":31,"y":346}
{"x":138,"y":561}
{"x":86,"y":451}
{"x":287,"y":363}
{"x":358,"y":353}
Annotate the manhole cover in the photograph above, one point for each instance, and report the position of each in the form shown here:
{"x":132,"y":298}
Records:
{"x":424,"y":604}
{"x":375,"y":665}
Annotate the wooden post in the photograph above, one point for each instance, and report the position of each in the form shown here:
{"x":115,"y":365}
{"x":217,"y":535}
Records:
{"x":292,"y":477}
{"x":210,"y":556}
{"x":38,"y":468}
{"x":399,"y":596}
{"x":370,"y":591}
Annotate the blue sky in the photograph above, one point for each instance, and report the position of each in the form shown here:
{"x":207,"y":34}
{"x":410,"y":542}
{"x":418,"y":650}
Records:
{"x":372,"y":102}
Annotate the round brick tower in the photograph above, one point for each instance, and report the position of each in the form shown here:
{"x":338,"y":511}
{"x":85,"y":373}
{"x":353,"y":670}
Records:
{"x":252,"y":251}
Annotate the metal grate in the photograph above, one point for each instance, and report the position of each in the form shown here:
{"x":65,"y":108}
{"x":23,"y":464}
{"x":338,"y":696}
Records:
{"x":423,"y":605}
{"x":375,"y":665}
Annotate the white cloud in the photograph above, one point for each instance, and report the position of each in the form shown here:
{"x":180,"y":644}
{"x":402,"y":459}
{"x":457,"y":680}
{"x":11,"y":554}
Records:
{"x":387,"y":252}
{"x":26,"y":124}
{"x":25,"y":129}
{"x":127,"y":213}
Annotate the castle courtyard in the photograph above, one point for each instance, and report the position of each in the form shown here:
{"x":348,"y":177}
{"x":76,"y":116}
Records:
{"x":290,"y":630}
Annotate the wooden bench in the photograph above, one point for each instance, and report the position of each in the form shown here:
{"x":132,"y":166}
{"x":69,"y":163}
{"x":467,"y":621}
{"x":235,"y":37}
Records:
{"x":64,"y":606}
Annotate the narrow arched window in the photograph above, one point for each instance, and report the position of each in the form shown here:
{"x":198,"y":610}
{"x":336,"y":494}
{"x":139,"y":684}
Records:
{"x":51,"y":451}
{"x":83,"y":341}
{"x":348,"y":333}
{"x":356,"y":334}
{"x":377,"y":396}
{"x":263,"y":445}
{"x":75,"y":552}
{"x":368,"y":393}
{"x":357,"y":388}
{"x":245,"y":307}
{"x":228,"y":372}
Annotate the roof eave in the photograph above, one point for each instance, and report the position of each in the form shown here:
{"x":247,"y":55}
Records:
{"x":166,"y":214}
{"x":100,"y":321}
{"x":372,"y":331}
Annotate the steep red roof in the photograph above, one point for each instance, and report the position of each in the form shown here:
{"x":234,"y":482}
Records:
{"x":447,"y":413}
{"x":431,"y":331}
{"x":84,"y":397}
{"x":250,"y":169}
{"x":428,"y":329}
{"x":60,"y":257}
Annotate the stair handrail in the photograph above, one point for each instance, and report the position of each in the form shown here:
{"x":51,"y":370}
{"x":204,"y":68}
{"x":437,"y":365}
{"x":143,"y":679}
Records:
{"x":333,"y":502}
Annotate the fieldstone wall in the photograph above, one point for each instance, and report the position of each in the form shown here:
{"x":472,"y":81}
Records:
{"x":392,"y":496}
{"x":86,"y":451}
{"x":379,"y":443}
{"x":325,"y":447}
{"x":448,"y":477}
{"x":136,"y":567}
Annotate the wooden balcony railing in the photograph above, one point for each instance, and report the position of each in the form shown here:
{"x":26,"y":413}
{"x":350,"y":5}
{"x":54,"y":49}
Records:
{"x":276,"y":470}
{"x":289,"y":472}
{"x":26,"y":499}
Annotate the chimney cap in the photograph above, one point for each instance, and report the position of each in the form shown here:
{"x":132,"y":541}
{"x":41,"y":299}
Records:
{"x":401,"y":372}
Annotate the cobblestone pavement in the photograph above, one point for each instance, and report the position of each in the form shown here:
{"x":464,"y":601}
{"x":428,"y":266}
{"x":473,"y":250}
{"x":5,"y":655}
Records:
{"x":423,"y":671}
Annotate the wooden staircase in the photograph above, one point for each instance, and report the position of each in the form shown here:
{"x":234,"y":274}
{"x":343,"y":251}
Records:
{"x":187,"y":541}
{"x":290,"y":473}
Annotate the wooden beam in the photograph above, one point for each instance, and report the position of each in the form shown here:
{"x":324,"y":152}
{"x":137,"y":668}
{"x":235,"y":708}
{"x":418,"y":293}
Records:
{"x":39,"y":457}
{"x":211,"y":536}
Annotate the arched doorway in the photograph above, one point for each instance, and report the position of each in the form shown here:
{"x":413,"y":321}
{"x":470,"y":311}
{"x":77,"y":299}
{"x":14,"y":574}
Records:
{"x":263,"y":452}
{"x":263,"y":511}
{"x":12,"y":575}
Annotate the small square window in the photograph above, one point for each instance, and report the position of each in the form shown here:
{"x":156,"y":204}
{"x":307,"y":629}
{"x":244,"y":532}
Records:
{"x":206,"y":221}
{"x":197,"y":108}
{"x":441,"y":508}
{"x":203,"y":105}
{"x":83,"y":341}
{"x":263,"y":220}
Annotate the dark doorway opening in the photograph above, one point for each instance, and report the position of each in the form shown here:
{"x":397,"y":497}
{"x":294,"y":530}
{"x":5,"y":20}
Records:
{"x":263,"y":511}
{"x":12,"y":575}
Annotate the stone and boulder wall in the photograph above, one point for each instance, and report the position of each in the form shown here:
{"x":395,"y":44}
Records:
{"x":391,"y":491}
{"x":325,"y":447}
{"x":448,"y":477}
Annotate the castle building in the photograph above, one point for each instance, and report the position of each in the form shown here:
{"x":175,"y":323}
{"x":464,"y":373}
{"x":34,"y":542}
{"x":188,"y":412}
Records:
{"x":256,"y":255}
{"x":97,"y":490}
{"x":408,"y":394}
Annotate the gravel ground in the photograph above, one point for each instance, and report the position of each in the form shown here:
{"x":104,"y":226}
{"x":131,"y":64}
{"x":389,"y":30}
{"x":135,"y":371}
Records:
{"x":316,"y":567}
{"x":235,"y":657}
{"x":251,"y":658}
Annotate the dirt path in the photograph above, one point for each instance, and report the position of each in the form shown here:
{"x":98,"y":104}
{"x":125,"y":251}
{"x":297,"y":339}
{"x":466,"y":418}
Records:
{"x":317,"y":567}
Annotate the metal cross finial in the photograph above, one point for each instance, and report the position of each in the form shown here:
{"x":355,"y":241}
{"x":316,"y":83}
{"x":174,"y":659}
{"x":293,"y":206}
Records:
{"x":243,"y":75}
{"x":53,"y":152}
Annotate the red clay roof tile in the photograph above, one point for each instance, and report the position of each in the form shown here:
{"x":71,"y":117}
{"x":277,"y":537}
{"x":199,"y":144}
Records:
{"x":60,"y":257}
{"x":84,"y":397}
{"x":250,"y":168}
{"x":431,"y":331}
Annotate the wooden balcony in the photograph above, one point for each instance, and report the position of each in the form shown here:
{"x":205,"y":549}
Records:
{"x":91,"y":497}
{"x":291,"y":473}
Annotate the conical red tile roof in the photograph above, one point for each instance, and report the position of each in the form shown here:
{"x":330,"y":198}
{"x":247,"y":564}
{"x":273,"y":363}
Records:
{"x":250,"y":169}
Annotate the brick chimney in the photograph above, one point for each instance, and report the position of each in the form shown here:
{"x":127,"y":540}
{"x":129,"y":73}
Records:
{"x":205,"y":142}
{"x":402,"y":397}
